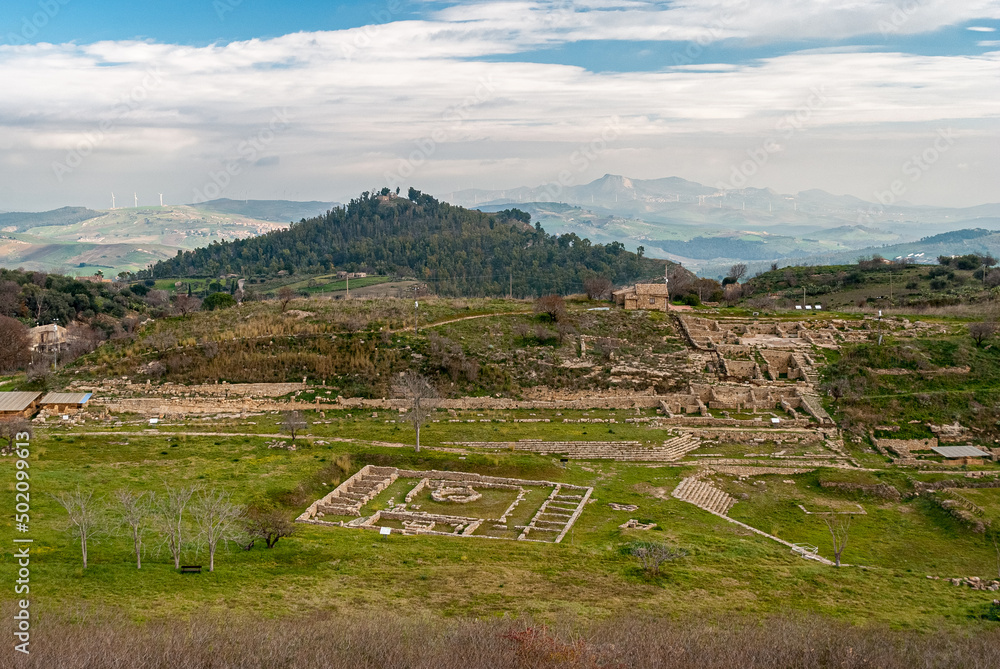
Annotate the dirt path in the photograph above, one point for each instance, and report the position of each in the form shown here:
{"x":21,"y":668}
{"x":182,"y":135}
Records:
{"x":464,"y":318}
{"x":270,"y":435}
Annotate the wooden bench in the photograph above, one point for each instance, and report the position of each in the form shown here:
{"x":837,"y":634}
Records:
{"x":190,"y":568}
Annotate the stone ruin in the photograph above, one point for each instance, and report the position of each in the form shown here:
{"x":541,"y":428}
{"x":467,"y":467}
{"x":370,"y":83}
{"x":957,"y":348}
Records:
{"x":551,"y":521}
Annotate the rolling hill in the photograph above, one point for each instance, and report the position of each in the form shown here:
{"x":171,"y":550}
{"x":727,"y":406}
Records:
{"x":77,"y":241}
{"x":456,"y":251}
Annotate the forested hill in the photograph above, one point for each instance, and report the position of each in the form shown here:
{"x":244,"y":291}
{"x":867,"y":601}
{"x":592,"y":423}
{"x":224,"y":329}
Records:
{"x":457,"y":251}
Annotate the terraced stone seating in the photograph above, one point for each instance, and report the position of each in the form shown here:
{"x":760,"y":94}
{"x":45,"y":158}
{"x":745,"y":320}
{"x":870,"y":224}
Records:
{"x":348,"y":498}
{"x":704,"y":495}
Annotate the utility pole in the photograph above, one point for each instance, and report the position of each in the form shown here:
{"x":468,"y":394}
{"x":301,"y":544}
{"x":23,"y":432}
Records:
{"x":510,"y":292}
{"x":890,"y":287}
{"x":348,"y":280}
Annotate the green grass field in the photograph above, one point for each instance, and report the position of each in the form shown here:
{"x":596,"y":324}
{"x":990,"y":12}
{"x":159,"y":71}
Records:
{"x":728,"y":570}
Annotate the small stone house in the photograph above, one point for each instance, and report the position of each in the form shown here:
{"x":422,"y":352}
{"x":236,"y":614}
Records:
{"x":647,"y":296}
{"x":47,"y":337}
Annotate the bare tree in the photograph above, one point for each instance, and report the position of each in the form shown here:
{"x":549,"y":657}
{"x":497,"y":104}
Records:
{"x":10,"y":428}
{"x":564,"y":330}
{"x":218,"y":519}
{"x":270,"y":525}
{"x":13,"y":344}
{"x":552,"y":306}
{"x":982,"y":331}
{"x":84,"y":516}
{"x":10,"y":298}
{"x":294,"y":422}
{"x":417,"y":389}
{"x":169,"y":513}
{"x":157,"y":298}
{"x":737,"y":271}
{"x":134,"y":510}
{"x":652,"y":555}
{"x":597,"y":287}
{"x":186,"y":304}
{"x":840,"y":529}
{"x":285,"y":295}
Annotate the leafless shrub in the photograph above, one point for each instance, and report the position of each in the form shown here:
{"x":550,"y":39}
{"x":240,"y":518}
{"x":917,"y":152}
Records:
{"x":10,"y":298}
{"x":597,"y":288}
{"x":606,"y":347}
{"x":651,"y":555}
{"x":13,"y":344}
{"x":185,"y":304}
{"x":761,"y":303}
{"x":157,"y":298}
{"x":285,"y":295}
{"x":564,"y":330}
{"x":293,"y":422}
{"x":10,"y":428}
{"x":982,"y":331}
{"x":552,"y":306}
{"x":391,"y":641}
{"x":544,"y":335}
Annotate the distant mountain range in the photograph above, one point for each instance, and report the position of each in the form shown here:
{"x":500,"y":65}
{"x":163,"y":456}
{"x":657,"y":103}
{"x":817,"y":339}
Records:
{"x":707,"y":229}
{"x":278,"y":211}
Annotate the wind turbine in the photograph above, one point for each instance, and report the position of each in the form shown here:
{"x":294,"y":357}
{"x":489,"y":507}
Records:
{"x":161,"y":199}
{"x":136,"y":196}
{"x":112,"y":199}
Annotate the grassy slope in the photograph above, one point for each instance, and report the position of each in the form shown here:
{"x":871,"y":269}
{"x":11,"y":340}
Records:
{"x":334,"y":569}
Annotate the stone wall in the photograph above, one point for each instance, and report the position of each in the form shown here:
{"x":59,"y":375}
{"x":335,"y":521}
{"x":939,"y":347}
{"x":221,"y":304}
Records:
{"x":903,"y":447}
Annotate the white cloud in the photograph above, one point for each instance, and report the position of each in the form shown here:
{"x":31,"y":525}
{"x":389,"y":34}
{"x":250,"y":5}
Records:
{"x":981,"y":29}
{"x":361,"y":100}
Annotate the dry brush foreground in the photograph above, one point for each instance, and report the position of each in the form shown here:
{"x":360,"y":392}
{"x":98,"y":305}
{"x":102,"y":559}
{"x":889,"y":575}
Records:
{"x":387,"y":642}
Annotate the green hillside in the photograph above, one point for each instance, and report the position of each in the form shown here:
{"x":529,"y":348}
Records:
{"x":455,"y":250}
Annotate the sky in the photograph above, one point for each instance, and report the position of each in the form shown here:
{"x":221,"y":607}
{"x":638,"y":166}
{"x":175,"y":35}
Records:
{"x":311,"y":100}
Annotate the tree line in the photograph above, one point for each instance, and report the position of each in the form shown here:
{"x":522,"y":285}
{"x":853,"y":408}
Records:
{"x":179,"y":520}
